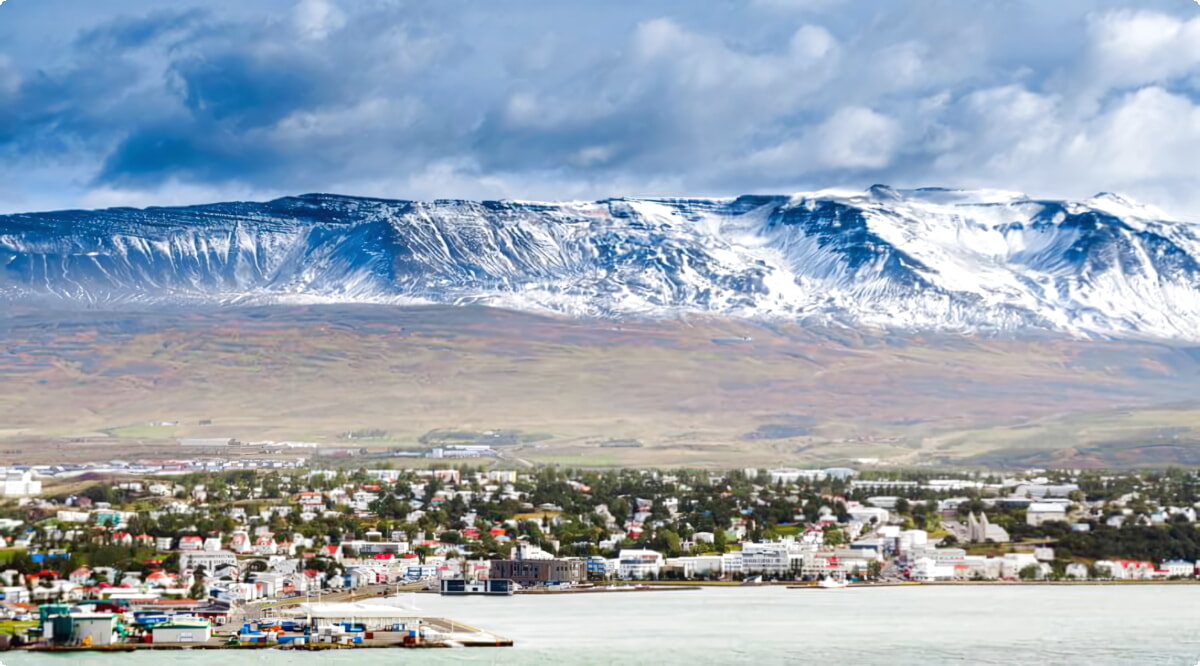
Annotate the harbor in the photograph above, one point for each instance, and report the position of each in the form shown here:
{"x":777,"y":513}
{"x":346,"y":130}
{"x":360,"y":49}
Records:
{"x":377,"y":623}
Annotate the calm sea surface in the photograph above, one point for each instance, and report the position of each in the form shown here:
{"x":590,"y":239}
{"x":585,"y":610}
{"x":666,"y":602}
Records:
{"x":905,"y":625}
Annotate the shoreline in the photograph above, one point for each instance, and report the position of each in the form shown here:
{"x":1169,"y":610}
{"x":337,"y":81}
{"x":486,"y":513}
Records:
{"x":803,"y":585}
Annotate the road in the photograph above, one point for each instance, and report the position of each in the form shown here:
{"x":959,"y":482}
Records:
{"x":269,"y":608}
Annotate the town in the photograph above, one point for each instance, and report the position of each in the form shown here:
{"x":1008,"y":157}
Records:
{"x":197,"y":547}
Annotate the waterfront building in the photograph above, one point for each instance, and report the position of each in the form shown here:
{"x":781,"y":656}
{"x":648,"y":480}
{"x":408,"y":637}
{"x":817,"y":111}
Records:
{"x":530,"y":573}
{"x":1077,"y":571}
{"x":181,"y":631}
{"x":633,"y":564}
{"x":768,"y":558}
{"x":928,"y":569}
{"x":1179,"y":568}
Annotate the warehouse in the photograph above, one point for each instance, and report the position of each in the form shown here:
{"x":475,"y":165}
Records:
{"x":95,"y":628}
{"x":182,"y":631}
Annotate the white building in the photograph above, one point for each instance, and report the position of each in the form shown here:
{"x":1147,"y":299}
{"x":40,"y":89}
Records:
{"x":96,"y":628}
{"x":1077,"y":571}
{"x":869,"y":514}
{"x":767,"y":559}
{"x":699,"y":565}
{"x":732,"y":562}
{"x":1179,"y":568}
{"x":788,"y":475}
{"x":210,"y":560}
{"x":926,"y":568}
{"x":1012,"y":564}
{"x":1041,"y":512}
{"x":179,"y":631}
{"x":20,"y":483}
{"x":639,"y":564}
{"x":15,"y":595}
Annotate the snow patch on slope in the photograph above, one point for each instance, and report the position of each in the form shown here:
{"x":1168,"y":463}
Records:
{"x":929,"y":259}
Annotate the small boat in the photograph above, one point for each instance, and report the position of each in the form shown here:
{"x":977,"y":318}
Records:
{"x":831,"y":583}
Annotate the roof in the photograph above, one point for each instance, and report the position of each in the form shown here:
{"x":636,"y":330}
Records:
{"x":183,"y":624}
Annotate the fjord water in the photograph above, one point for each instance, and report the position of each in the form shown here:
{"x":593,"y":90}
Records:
{"x":1091,"y":625}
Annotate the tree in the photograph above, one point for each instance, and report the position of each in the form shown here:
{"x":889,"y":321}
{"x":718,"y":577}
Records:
{"x":1030,"y":572}
{"x":199,"y":589}
{"x":834,"y":536}
{"x":874,"y":569}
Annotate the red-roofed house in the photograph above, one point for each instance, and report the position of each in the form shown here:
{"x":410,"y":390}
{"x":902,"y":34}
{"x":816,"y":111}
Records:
{"x":240,"y":543}
{"x":1134,"y":570}
{"x":265,"y":545}
{"x":191,"y":543}
{"x":81,"y":576}
{"x":160,"y":579}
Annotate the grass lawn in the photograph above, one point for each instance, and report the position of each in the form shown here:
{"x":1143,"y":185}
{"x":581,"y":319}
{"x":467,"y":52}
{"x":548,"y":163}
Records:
{"x":14,"y":626}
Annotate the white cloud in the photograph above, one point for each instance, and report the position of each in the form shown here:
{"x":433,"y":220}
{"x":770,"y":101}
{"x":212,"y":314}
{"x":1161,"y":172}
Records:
{"x":1132,"y":48}
{"x":851,"y":138}
{"x":316,"y":19}
{"x":857,"y":138}
{"x":175,"y":193}
{"x":597,"y":99}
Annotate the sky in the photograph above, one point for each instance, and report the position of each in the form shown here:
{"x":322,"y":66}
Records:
{"x":141,"y":102}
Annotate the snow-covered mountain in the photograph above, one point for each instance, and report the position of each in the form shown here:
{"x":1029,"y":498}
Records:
{"x":915,"y":259}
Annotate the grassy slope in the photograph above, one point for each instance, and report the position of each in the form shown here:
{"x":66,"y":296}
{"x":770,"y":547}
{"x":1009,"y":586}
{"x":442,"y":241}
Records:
{"x":689,"y":392}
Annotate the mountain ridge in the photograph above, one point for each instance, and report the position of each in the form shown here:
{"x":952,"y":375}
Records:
{"x":973,"y":261}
